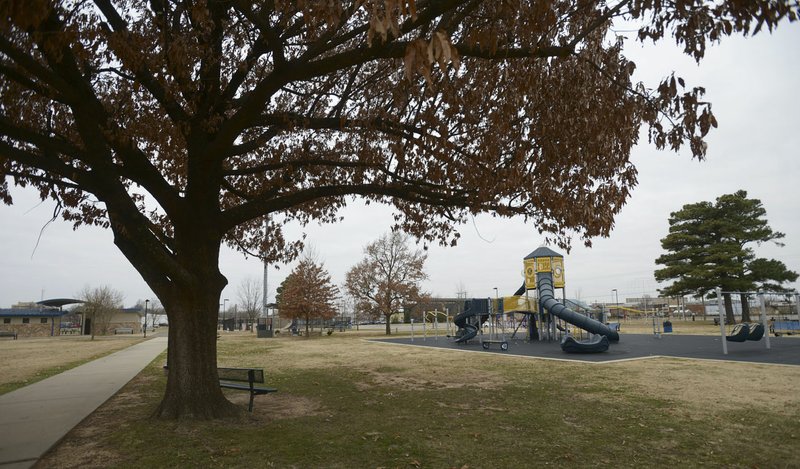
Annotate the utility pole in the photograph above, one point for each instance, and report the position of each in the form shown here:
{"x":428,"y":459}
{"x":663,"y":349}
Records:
{"x":265,"y":293}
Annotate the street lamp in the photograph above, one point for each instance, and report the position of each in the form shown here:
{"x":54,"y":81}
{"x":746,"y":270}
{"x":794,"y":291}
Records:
{"x":616,"y":300}
{"x":146,"y":302}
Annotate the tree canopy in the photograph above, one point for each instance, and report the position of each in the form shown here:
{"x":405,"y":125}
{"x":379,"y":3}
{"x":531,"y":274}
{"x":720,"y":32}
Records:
{"x":307,"y":293}
{"x":183,"y":124}
{"x":388,"y":277}
{"x":710,"y":245}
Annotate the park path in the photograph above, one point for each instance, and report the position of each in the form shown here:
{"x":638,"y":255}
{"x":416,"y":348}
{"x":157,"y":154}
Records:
{"x":36,"y":417}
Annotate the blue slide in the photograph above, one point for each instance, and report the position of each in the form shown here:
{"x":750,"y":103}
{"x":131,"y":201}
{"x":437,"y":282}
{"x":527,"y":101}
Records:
{"x":544,"y":282}
{"x":475,"y":308}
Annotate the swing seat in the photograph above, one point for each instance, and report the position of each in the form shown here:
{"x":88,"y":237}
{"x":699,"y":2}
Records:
{"x":756,"y":332}
{"x":740,"y":333}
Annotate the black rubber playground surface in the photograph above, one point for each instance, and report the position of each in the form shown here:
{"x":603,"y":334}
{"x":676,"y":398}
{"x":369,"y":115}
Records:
{"x":783,"y":350}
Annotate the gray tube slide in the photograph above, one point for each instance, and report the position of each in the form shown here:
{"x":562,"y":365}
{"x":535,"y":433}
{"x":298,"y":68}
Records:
{"x":544,"y":282}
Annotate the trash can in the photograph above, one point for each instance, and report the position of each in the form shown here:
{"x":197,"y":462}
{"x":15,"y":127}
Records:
{"x":667,"y":326}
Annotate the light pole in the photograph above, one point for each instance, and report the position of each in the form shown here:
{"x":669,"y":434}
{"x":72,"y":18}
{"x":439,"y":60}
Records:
{"x":146,"y":302}
{"x":496,"y":305}
{"x":616,"y":300}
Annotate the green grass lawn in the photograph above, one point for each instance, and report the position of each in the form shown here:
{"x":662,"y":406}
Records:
{"x":345,"y":402}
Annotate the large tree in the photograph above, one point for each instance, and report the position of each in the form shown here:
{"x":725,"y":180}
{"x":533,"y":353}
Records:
{"x":710,"y":245}
{"x":308,"y":294}
{"x":183,"y":124}
{"x":388,"y":277}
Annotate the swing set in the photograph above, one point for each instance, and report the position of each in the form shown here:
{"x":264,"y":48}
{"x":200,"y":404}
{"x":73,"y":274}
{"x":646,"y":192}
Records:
{"x":744,"y":331}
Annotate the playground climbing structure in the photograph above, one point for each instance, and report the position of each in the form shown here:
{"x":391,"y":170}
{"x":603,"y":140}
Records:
{"x":544,"y":271}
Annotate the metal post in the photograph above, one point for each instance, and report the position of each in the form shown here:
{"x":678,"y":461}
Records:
{"x":764,"y":321}
{"x":493,"y":319}
{"x":412,"y":327}
{"x":721,"y":321}
{"x":495,"y":307}
{"x":796,"y":305}
{"x":265,"y":293}
{"x":424,"y":323}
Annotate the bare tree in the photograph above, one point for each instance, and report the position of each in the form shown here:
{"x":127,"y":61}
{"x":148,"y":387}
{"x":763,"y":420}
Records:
{"x":347,"y":306}
{"x":153,"y":310}
{"x":156,"y":311}
{"x":388,"y":277}
{"x":100,"y":305}
{"x":250,"y":299}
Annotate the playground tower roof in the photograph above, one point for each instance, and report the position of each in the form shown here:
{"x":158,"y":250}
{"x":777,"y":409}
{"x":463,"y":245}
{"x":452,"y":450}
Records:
{"x":543,"y":252}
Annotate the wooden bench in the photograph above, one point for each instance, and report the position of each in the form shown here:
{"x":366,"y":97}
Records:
{"x":11,"y":334}
{"x":235,"y":378}
{"x":123,"y":330}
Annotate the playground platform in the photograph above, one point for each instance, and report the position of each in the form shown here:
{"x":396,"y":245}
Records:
{"x":783,"y":351}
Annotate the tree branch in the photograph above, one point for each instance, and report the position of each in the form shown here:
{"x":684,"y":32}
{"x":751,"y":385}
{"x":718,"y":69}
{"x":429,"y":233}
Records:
{"x":409,"y":192}
{"x":140,"y":70}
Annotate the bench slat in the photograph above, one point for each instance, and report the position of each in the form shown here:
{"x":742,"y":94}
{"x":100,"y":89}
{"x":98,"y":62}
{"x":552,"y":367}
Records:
{"x":240,"y":374}
{"x":244,"y":387}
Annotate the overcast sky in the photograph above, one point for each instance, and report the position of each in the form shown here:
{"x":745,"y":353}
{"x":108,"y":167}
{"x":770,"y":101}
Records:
{"x":754,"y":85}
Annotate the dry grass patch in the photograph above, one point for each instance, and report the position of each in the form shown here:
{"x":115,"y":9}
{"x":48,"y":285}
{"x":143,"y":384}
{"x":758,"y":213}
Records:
{"x":344,"y":402}
{"x":679,"y":326}
{"x":29,"y":360}
{"x":700,"y":385}
{"x":386,"y":366}
{"x":277,"y":406}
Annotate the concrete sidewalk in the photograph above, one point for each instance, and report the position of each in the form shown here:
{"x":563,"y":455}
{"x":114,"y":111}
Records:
{"x":36,"y":417}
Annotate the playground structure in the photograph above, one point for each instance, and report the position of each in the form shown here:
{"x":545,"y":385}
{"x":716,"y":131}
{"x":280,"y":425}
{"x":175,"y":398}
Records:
{"x":432,"y":318}
{"x":469,"y":321}
{"x":544,"y":272}
{"x":625,"y":310}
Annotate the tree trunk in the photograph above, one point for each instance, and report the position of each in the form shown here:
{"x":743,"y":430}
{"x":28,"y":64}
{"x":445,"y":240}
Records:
{"x":729,"y":319}
{"x":745,"y":307}
{"x":184,"y":274}
{"x":192,"y":305}
{"x":388,"y":323}
{"x":193,"y":386}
